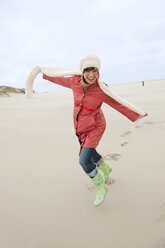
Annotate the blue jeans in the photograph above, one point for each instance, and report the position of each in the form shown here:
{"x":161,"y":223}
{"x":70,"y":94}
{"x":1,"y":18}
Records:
{"x":89,"y":160}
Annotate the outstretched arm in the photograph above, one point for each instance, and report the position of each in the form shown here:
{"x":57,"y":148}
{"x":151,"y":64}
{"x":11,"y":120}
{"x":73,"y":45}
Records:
{"x":49,"y":74}
{"x":128,"y":110}
{"x":63,"y":81}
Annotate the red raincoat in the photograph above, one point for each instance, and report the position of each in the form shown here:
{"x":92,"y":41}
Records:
{"x":89,"y":121}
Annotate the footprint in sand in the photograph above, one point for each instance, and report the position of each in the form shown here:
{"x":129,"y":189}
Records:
{"x":149,"y":122}
{"x":126,"y":134}
{"x":114,"y":156}
{"x":138,"y":126}
{"x":124,"y":143}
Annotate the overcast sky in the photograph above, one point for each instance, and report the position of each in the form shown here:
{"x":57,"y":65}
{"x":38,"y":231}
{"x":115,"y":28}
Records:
{"x":127,"y":35}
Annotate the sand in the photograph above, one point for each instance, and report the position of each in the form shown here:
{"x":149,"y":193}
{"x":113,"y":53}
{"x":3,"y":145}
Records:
{"x":47,"y":199}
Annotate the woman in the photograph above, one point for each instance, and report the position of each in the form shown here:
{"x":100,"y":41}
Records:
{"x":89,"y":122}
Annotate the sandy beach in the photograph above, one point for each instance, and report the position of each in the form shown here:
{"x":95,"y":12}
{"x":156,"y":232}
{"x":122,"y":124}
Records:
{"x":46,"y":198}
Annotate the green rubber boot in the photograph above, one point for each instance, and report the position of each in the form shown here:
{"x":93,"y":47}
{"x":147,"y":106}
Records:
{"x":106,"y":170}
{"x":101,"y":189}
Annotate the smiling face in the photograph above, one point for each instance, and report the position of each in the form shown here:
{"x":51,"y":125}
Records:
{"x":91,"y":75}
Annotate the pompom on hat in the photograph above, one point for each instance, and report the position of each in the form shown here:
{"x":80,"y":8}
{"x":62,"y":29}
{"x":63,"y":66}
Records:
{"x":90,"y":60}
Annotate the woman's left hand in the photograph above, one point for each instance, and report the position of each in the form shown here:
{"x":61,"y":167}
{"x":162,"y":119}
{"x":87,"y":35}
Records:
{"x":142,"y":116}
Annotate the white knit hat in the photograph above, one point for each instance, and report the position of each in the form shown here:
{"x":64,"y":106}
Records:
{"x":90,"y":60}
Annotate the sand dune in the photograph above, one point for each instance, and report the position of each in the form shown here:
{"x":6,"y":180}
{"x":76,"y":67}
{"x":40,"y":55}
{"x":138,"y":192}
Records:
{"x":46,"y":198}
